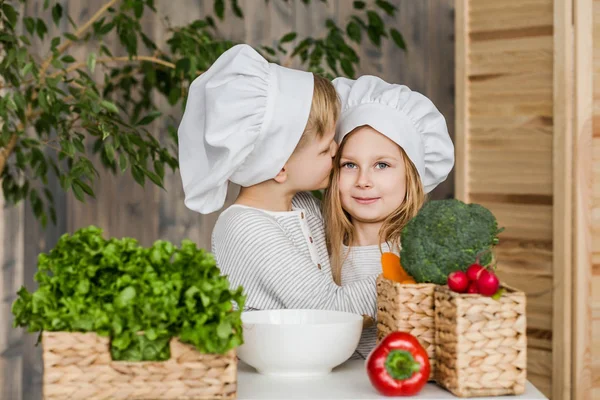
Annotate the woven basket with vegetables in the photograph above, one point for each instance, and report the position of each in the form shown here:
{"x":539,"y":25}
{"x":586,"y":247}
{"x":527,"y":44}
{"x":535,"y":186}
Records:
{"x":446,"y":236}
{"x":122,"y":321}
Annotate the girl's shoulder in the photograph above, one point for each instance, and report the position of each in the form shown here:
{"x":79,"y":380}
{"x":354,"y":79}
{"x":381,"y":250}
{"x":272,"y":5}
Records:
{"x":307,"y":201}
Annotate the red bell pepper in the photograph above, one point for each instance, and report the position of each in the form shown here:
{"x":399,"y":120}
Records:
{"x":399,"y":365}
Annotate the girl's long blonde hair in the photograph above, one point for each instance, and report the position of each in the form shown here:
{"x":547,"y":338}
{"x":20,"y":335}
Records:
{"x":338,"y":226}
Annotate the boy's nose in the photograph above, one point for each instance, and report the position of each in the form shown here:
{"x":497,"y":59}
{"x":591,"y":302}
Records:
{"x":334,"y":148}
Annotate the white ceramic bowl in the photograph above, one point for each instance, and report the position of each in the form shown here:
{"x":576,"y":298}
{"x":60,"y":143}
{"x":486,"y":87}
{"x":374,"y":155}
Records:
{"x":298,"y":342}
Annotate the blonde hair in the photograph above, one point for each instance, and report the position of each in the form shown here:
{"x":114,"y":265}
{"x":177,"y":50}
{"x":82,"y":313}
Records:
{"x":324,"y":111}
{"x":338,"y":226}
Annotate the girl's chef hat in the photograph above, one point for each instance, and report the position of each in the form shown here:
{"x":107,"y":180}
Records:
{"x":242,"y":121}
{"x":406,"y":117}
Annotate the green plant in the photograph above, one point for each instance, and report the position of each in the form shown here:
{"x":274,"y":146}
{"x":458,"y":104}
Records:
{"x":447,"y":236}
{"x":140,"y":297}
{"x":55,"y":116}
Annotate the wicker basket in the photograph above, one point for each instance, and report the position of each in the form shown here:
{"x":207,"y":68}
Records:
{"x":481,"y":343}
{"x":407,"y":308}
{"x":79,"y":366}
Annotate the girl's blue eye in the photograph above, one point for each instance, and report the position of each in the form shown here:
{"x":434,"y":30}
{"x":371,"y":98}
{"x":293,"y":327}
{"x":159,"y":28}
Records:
{"x":382,"y":165}
{"x":348,"y":165}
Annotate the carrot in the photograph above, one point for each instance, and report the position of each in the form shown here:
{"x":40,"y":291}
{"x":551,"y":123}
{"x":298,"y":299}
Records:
{"x":392,"y":269}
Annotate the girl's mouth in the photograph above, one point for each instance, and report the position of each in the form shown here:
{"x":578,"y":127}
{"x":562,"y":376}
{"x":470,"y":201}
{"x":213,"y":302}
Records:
{"x":366,"y":200}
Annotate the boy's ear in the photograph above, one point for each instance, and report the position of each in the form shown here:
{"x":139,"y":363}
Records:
{"x":282,"y":176}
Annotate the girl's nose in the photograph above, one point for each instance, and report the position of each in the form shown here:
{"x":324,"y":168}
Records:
{"x":364,"y":180}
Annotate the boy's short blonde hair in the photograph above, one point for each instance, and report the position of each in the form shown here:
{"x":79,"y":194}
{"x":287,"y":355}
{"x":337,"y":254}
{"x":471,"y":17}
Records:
{"x":324,"y":111}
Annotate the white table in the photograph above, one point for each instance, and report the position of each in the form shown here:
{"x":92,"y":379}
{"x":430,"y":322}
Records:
{"x":349,"y":381}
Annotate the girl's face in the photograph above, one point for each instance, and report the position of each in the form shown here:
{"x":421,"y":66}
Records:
{"x":310,"y":165}
{"x":372,"y":178}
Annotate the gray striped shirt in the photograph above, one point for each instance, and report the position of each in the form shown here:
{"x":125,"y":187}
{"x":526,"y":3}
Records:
{"x":281,"y":260}
{"x":362,"y":263}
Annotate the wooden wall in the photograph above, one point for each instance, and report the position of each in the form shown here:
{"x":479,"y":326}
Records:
{"x":596,"y":210}
{"x":122,"y":208}
{"x":504,"y":139}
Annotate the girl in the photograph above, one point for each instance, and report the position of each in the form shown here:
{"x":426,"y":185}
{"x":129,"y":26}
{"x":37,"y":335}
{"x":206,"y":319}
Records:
{"x":269,"y":129}
{"x":394,"y":148}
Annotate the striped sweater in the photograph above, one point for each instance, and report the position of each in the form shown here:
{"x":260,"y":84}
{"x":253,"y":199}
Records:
{"x":281,"y":260}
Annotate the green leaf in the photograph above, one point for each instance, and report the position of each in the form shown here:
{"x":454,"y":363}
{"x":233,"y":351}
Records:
{"x":78,"y":192}
{"x":224,"y":330}
{"x":41,"y":28}
{"x":122,"y":162}
{"x":398,"y":39}
{"x":354,"y":32}
{"x":386,"y":6}
{"x":109,"y":150}
{"x":183,"y":65}
{"x":29,"y":25}
{"x":138,"y":174}
{"x":159,"y":168}
{"x":138,"y":8}
{"x":288,"y":37}
{"x":237,"y":10}
{"x":374,"y":35}
{"x":149,"y":118}
{"x":86,"y":188}
{"x":375,"y":20}
{"x":107,"y":105}
{"x":154,"y":178}
{"x":269,"y":50}
{"x":106,"y":28}
{"x":68,"y":59}
{"x":71,"y":37}
{"x":219,"y":7}
{"x":359,"y":5}
{"x":57,"y":12}
{"x":10,"y":13}
{"x":91,"y":62}
{"x":498,"y":294}
{"x":125,"y":297}
{"x":26,"y":69}
{"x":55,"y":42}
{"x":347,"y":68}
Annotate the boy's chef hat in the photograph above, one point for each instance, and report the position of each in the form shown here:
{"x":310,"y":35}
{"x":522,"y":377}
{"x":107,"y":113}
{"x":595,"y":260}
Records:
{"x":406,"y":117}
{"x":242,"y":121}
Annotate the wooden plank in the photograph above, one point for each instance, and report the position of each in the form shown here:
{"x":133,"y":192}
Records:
{"x":411,"y":68}
{"x":542,"y":383}
{"x":562,"y":227}
{"x":502,"y":153}
{"x":440,"y":72}
{"x":582,"y":177}
{"x":11,"y":279}
{"x":531,"y":222}
{"x":492,"y":15}
{"x":525,"y":94}
{"x":511,"y":56}
{"x":596,"y":206}
{"x":462,"y":120}
{"x":539,"y":362}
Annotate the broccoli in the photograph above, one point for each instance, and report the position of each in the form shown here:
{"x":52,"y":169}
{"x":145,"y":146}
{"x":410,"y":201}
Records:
{"x":447,"y":236}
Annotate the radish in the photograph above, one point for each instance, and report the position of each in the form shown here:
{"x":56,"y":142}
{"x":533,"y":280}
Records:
{"x":473,"y":289}
{"x":458,"y":281}
{"x":473,"y":271}
{"x":488,"y":283}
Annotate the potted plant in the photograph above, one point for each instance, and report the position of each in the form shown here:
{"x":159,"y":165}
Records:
{"x":119,"y":320}
{"x":444,"y":237}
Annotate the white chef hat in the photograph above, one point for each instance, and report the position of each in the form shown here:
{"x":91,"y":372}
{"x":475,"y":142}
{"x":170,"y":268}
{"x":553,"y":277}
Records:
{"x":243,"y":119}
{"x":406,"y":117}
